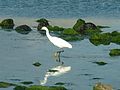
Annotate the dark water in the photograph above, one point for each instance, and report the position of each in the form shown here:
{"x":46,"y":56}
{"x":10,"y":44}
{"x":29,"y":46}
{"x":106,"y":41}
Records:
{"x":60,"y":8}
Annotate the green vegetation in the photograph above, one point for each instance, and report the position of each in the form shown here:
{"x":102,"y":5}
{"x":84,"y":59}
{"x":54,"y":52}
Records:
{"x":98,"y":39}
{"x":55,"y":28}
{"x":71,"y":38}
{"x":105,"y":38}
{"x":6,"y":84}
{"x":70,"y":31}
{"x":114,"y":52}
{"x":37,"y":87}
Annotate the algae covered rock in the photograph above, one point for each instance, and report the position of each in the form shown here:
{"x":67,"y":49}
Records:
{"x":23,"y":29}
{"x":6,"y":84}
{"x":37,"y":87}
{"x":20,"y":88}
{"x":79,"y":26}
{"x":105,"y":38}
{"x":7,"y":24}
{"x":85,"y":28}
{"x":55,"y":28}
{"x":114,"y":52}
{"x":97,"y":39}
{"x":115,"y":37}
{"x":42,"y":22}
{"x":70,"y":31}
{"x":100,"y":86}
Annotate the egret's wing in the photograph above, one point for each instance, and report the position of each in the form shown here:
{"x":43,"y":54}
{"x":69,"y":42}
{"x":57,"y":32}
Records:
{"x":60,"y":42}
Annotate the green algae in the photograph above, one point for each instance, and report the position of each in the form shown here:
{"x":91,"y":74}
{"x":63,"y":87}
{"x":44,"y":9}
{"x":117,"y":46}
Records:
{"x":6,"y":84}
{"x":70,"y":31}
{"x":114,"y":52}
{"x":38,"y":87}
{"x":55,"y":28}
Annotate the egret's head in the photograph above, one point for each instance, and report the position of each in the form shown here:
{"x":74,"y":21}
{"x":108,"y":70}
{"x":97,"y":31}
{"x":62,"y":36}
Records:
{"x":44,"y":28}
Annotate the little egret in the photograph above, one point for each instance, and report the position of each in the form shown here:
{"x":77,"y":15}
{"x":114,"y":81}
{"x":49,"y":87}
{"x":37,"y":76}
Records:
{"x":57,"y":41}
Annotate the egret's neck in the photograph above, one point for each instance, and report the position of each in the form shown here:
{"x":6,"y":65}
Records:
{"x":47,"y":33}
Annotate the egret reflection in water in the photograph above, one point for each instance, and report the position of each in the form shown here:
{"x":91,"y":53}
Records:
{"x":55,"y":71}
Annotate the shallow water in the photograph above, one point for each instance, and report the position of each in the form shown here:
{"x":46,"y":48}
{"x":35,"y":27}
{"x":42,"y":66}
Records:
{"x":18,"y":52}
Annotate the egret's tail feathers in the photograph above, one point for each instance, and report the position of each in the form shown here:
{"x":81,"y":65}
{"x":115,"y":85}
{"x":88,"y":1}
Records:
{"x":70,"y":46}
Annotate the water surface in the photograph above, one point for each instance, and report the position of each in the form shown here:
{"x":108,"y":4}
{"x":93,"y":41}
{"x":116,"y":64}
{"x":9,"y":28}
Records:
{"x":18,"y":52}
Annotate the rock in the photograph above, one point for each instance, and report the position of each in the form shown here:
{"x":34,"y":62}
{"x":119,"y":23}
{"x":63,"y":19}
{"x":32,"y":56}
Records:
{"x":7,"y":24}
{"x":38,"y":87}
{"x":90,"y":26}
{"x":100,"y":86}
{"x":23,"y":29}
{"x":114,"y":52}
{"x":42,"y":22}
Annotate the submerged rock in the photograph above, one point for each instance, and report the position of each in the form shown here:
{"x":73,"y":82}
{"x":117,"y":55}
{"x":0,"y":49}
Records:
{"x":23,"y":29}
{"x":7,"y":24}
{"x":114,"y":52}
{"x":38,"y":87}
{"x":27,"y":82}
{"x":101,"y":63}
{"x":37,"y":64}
{"x":6,"y":84}
{"x":100,"y":86}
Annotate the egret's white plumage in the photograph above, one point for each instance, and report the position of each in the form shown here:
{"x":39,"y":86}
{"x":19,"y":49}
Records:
{"x":57,"y":41}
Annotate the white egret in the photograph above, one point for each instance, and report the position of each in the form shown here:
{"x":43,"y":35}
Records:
{"x":57,"y":41}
